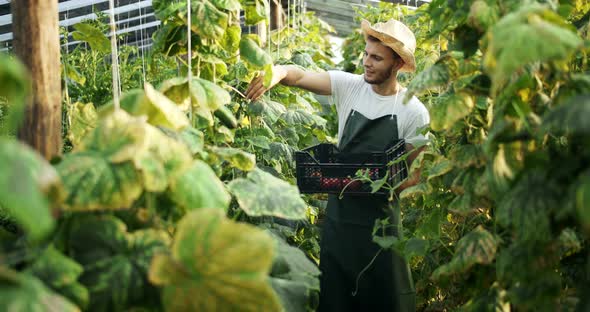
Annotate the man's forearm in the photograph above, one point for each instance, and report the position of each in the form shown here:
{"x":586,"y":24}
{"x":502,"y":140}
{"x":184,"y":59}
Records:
{"x":289,"y":74}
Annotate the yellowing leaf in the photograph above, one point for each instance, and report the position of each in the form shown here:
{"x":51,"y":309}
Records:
{"x":449,"y":110}
{"x":477,"y":247}
{"x":216,"y":265}
{"x":521,"y":38}
{"x":236,"y":157}
{"x":118,"y":136}
{"x":161,"y":111}
{"x":163,"y":160}
{"x":92,"y":182}
{"x":84,"y":119}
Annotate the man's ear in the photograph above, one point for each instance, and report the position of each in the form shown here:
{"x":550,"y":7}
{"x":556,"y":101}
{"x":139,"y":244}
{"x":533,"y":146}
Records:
{"x":399,"y":63}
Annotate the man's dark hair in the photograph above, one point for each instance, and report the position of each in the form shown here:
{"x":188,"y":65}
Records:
{"x":375,"y":39}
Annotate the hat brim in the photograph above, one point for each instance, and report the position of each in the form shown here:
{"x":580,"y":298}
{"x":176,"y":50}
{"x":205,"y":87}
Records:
{"x":391,"y":42}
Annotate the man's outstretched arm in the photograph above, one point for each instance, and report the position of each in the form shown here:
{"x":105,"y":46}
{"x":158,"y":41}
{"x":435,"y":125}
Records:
{"x":293,"y":76}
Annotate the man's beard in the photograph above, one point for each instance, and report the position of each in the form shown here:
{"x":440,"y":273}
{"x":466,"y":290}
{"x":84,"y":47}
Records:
{"x":380,"y":77}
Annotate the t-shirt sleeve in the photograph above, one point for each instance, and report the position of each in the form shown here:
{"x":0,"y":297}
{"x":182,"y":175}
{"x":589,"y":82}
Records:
{"x":342,"y":83}
{"x":414,"y":126}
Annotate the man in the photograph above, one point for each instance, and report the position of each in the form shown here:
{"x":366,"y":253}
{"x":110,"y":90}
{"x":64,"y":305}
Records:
{"x":356,"y":274}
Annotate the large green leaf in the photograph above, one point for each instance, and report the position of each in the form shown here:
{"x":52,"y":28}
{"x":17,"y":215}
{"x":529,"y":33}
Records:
{"x":435,"y":76}
{"x":271,"y":111}
{"x":14,"y":87}
{"x":229,"y":5}
{"x":569,"y":117}
{"x":83,"y":121}
{"x":300,"y":117}
{"x":204,"y":93}
{"x":163,"y":160}
{"x":27,"y":184}
{"x":115,"y":262}
{"x":521,"y":38}
{"x":449,"y":109}
{"x":255,"y":11}
{"x":25,"y":293}
{"x":216,"y":96}
{"x":263,"y":194}
{"x":161,"y":111}
{"x":253,"y":54}
{"x":236,"y":157}
{"x":118,"y":136}
{"x":198,"y":187}
{"x":61,"y":274}
{"x":189,"y":136}
{"x":231,"y":39}
{"x":477,"y":247}
{"x":92,"y":182}
{"x":94,"y":36}
{"x":216,"y":265}
{"x":207,"y":20}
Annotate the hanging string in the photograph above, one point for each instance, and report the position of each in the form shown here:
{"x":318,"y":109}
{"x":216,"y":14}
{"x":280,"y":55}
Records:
{"x":141,"y":47}
{"x":67,"y":93}
{"x":190,"y":58}
{"x":289,"y":18}
{"x":268,"y":36}
{"x":114,"y":56}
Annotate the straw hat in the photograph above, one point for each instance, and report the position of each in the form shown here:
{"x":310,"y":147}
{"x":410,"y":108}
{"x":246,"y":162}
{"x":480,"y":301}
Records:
{"x":397,"y":36}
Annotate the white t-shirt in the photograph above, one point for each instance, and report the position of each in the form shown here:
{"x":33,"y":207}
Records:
{"x":350,"y":91}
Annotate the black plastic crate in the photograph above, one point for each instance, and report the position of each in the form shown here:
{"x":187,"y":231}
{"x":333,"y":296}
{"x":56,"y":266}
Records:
{"x":324,"y":169}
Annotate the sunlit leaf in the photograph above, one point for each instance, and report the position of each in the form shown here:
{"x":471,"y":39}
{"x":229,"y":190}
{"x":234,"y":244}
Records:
{"x":84,"y":120}
{"x":263,"y":194}
{"x":94,"y":36}
{"x":253,"y":54}
{"x":92,"y":182}
{"x":521,"y":37}
{"x":216,"y":265}
{"x":118,"y":137}
{"x":230,"y":5}
{"x":482,"y":15}
{"x":449,"y":109}
{"x":477,"y":247}
{"x":198,"y":187}
{"x":207,"y":20}
{"x":161,"y":111}
{"x":116,"y":262}
{"x":163,"y":160}
{"x":255,"y":11}
{"x":28,"y":183}
{"x":231,"y":39}
{"x":236,"y":157}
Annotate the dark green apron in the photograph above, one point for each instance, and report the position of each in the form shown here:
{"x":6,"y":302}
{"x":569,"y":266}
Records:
{"x":346,"y":242}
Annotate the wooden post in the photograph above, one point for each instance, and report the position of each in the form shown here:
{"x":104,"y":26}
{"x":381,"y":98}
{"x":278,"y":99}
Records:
{"x":36,"y":43}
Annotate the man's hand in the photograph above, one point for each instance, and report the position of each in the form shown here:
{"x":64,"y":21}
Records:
{"x":293,"y":76}
{"x":256,"y":88}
